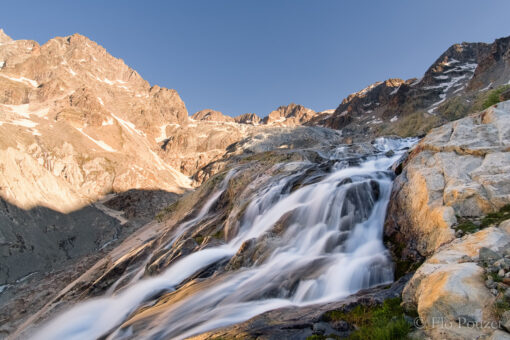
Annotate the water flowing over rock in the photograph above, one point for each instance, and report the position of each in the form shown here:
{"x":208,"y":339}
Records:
{"x":299,"y":233}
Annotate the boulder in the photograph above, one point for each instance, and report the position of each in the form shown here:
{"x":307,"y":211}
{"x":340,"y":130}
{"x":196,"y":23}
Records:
{"x":459,"y":169}
{"x":446,"y":290}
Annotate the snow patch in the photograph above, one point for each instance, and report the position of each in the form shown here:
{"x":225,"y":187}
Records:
{"x":443,"y":77}
{"x":24,"y":122}
{"x":394,"y":91}
{"x":100,"y":143}
{"x":100,"y":100}
{"x":108,"y":122}
{"x":22,"y":80}
{"x":162,"y":134}
{"x":487,"y":87}
{"x":128,"y":125}
{"x":394,"y":119}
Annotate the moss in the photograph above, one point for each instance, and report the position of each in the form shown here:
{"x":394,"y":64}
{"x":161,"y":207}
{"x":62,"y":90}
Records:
{"x":496,"y":277}
{"x":220,"y":234}
{"x":381,"y":322}
{"x":502,"y":306}
{"x":160,"y":216}
{"x":496,"y":217}
{"x":493,"y":96}
{"x":198,"y":239}
{"x":272,"y":157}
{"x":403,"y":267}
{"x":323,"y":337}
{"x":466,"y":226}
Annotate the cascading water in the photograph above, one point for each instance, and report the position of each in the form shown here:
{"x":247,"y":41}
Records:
{"x":330,"y":248}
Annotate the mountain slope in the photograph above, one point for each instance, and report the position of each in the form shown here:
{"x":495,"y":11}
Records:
{"x":450,"y":86}
{"x":74,"y":117}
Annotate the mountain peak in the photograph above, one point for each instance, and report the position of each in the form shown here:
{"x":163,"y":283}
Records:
{"x":211,"y":115}
{"x":4,"y":38}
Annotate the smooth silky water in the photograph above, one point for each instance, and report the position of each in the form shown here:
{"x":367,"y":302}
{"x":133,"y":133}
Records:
{"x":331,"y":249}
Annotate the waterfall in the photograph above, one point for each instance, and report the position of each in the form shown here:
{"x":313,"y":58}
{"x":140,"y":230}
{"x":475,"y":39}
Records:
{"x":330,"y":248}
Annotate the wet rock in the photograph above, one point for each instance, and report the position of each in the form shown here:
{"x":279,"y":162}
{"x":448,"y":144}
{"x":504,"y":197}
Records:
{"x":320,"y":328}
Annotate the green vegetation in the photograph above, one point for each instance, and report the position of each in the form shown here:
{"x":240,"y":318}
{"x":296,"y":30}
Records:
{"x":496,"y":277}
{"x":402,"y":266}
{"x":383,"y":322}
{"x":272,"y":157}
{"x":323,"y":337}
{"x":413,"y":124}
{"x":466,"y":225}
{"x":496,"y":217}
{"x":160,"y":216}
{"x":455,"y":108}
{"x":502,"y":305}
{"x":493,"y":96}
{"x":198,"y":239}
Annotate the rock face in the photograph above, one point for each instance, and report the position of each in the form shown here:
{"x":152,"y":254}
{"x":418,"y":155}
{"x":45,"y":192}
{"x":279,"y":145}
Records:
{"x":211,"y":115}
{"x":76,"y":124}
{"x":248,"y":118}
{"x":459,"y":169}
{"x":72,"y":117}
{"x":290,"y":115}
{"x":412,"y":107}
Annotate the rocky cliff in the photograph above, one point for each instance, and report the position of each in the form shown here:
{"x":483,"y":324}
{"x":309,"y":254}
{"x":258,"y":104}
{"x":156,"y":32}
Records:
{"x":447,"y":203}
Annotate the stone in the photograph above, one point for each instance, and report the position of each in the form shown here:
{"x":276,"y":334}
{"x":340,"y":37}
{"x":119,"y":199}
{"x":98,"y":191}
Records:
{"x":490,"y":283}
{"x":488,"y":255}
{"x":444,"y":288}
{"x":501,"y":273}
{"x":505,"y":320}
{"x":499,"y":335}
{"x":320,"y":328}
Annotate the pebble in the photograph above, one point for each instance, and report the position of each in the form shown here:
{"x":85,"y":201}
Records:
{"x":501,"y":273}
{"x":494,"y":291}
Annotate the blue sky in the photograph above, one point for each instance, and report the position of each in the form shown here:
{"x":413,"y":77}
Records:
{"x":252,"y":56}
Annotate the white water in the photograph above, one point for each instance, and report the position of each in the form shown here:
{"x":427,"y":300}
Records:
{"x":331,"y":248}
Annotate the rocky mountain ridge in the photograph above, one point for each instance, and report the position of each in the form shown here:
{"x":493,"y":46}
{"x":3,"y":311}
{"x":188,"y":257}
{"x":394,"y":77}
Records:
{"x":399,"y":107}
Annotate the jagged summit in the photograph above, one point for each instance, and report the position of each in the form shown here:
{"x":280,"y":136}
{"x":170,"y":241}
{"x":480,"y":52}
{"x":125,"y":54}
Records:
{"x":211,"y":115}
{"x":292,"y":114}
{"x":413,"y":106}
{"x":4,"y":38}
